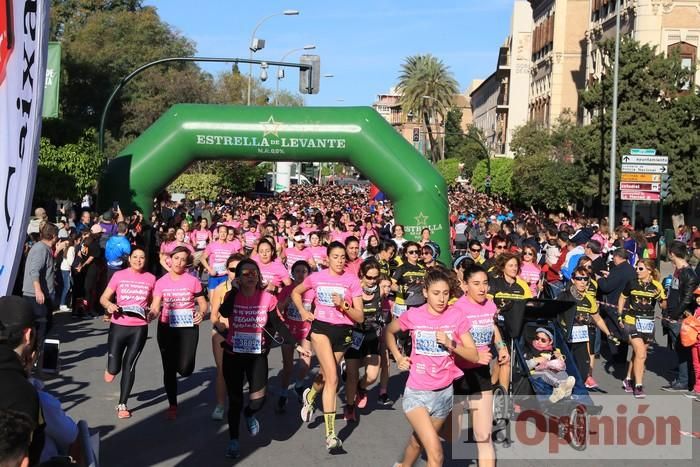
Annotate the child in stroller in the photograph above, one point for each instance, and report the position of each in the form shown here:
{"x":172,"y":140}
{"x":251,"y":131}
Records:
{"x":548,"y":364}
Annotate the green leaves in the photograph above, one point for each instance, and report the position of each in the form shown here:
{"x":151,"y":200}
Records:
{"x":449,"y":169}
{"x":501,"y":176}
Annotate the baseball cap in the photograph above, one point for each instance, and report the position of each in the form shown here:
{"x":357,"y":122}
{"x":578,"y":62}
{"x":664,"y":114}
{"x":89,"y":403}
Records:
{"x":96,"y":229}
{"x":15,"y":314}
{"x":299,"y":238}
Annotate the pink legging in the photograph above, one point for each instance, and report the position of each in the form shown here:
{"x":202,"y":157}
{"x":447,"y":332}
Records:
{"x":695,"y":353}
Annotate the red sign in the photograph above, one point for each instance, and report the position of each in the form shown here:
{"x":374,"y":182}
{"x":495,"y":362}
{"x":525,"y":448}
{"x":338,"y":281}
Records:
{"x":627,"y":186}
{"x":640,"y":195}
{"x":6,"y":36}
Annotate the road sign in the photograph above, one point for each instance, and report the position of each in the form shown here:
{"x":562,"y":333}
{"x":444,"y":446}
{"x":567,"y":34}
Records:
{"x":644,"y":169}
{"x":640,"y":196}
{"x":657,"y":160}
{"x":627,"y":186}
{"x":643,"y":178}
{"x":643,"y":152}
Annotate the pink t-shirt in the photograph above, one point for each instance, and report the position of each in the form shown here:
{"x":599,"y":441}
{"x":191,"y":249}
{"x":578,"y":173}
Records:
{"x":481,"y":317}
{"x":200,"y":238}
{"x":294,"y":254}
{"x":291,"y":313}
{"x":247,"y":320}
{"x":249,"y":238}
{"x":530,"y":273}
{"x":353,"y":267}
{"x":339,"y":236}
{"x":319,"y":254}
{"x":177,"y":294}
{"x":432,"y":366}
{"x":218,"y":253}
{"x":272,"y":273}
{"x":132,"y":289}
{"x":167,"y":247}
{"x":324,"y":285}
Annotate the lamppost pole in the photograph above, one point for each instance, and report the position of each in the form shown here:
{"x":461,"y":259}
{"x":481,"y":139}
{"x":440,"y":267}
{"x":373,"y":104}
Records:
{"x":613,"y":133}
{"x":252,"y":47}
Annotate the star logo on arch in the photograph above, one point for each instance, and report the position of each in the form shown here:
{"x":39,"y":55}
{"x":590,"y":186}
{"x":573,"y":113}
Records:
{"x":270,"y":127}
{"x":421,"y":219}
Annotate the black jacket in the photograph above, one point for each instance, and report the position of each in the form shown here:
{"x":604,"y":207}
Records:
{"x":18,"y":394}
{"x":610,"y":288}
{"x":683,"y":300}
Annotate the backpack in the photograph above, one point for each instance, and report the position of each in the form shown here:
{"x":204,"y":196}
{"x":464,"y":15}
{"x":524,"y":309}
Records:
{"x":690,"y":329}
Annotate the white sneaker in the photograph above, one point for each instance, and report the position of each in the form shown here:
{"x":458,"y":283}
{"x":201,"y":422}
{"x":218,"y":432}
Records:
{"x":63,"y":308}
{"x":558,"y":394}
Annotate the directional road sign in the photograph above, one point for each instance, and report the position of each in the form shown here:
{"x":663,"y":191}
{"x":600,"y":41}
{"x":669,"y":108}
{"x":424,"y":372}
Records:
{"x":627,"y":186}
{"x":630,"y":159}
{"x":640,"y":195}
{"x":643,"y":152}
{"x":640,"y":178}
{"x":644,"y":169}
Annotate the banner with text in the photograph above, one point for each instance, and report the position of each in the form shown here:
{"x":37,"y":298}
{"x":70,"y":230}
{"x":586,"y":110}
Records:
{"x":53,"y":81}
{"x":23,"y":49}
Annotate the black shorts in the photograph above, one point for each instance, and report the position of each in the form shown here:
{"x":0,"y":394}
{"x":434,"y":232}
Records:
{"x":474,"y":381}
{"x":339,"y":335}
{"x":369,"y":346}
{"x":630,"y":330}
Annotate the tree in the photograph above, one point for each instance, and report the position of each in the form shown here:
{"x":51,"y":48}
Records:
{"x":449,"y":169}
{"x":426,"y":75}
{"x":501,"y":176}
{"x":654,"y":111}
{"x":204,"y":186}
{"x":461,"y":145}
{"x":69,"y":171}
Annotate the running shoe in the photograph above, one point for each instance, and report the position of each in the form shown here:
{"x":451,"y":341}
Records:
{"x":108,"y":377}
{"x":639,"y":392}
{"x":171,"y":413}
{"x":692,"y":394}
{"x":234,"y":449}
{"x":627,"y":385}
{"x":218,"y":413}
{"x":591,"y":383}
{"x":384,"y":399}
{"x":253,"y":425}
{"x":122,"y":411}
{"x":333,"y":442}
{"x":675,"y":387}
{"x":307,"y":408}
{"x":361,"y":399}
{"x":281,"y":404}
{"x":349,"y":413}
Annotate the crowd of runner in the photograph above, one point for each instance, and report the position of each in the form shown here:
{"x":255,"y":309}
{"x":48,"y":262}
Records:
{"x":326,"y":273}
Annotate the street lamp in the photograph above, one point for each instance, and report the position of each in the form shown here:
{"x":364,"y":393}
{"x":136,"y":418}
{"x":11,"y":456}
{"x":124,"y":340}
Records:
{"x":442,"y":149}
{"x":280,"y":71}
{"x":258,"y":44}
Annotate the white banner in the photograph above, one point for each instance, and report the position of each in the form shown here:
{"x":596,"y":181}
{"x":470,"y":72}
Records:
{"x":24,"y":29}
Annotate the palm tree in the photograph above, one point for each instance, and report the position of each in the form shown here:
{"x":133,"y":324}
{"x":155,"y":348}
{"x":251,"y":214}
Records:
{"x":426,"y":75}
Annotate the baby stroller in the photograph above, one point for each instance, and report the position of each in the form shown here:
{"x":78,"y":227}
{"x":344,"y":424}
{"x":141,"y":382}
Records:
{"x":528,"y":393}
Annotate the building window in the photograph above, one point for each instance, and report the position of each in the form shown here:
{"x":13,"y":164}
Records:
{"x":687,"y":54}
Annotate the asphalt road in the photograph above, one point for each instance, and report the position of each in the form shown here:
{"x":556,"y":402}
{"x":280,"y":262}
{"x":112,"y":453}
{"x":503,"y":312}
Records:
{"x":378,"y":439}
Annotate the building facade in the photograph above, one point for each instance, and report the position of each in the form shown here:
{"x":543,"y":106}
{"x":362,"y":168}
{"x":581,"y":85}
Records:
{"x":500,"y":102}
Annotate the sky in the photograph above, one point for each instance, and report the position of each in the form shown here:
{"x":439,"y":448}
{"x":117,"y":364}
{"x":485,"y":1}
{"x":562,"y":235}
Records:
{"x":362,"y":43}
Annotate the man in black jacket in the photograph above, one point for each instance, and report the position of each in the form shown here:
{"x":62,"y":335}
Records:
{"x":17,"y":346}
{"x":610,"y":286}
{"x":680,"y":304}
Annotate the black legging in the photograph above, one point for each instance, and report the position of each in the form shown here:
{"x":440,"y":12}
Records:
{"x":125,"y":344}
{"x":178,"y":349}
{"x":237,"y":368}
{"x":582,"y":358}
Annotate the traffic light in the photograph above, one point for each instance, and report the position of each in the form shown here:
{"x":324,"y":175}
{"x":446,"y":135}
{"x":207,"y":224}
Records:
{"x":665,"y":186}
{"x":416,"y":135}
{"x":310,"y":79}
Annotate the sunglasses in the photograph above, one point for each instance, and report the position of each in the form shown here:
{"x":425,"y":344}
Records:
{"x":231,"y":269}
{"x":427,"y":252}
{"x":371,"y":278}
{"x":500,"y":247}
{"x":412,"y":252}
{"x":580,"y":278}
{"x":528,"y":253}
{"x":249,"y":274}
{"x":475,"y":250}
{"x":641,"y":269}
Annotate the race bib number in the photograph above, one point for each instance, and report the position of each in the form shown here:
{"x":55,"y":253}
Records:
{"x":645,"y":326}
{"x":579,"y":334}
{"x":181,"y":318}
{"x":399,"y":309}
{"x":324,"y":294}
{"x":357,"y":339}
{"x":426,"y":344}
{"x":247,"y":342}
{"x":134,"y":310}
{"x":202,"y":244}
{"x":482,"y":335}
{"x":219,"y":268}
{"x":292,"y":313}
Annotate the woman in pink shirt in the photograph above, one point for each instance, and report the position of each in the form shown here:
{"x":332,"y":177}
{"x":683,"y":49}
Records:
{"x":439,"y":334}
{"x":215,"y":256}
{"x":168,"y":246}
{"x":299,"y":252}
{"x":273,"y":274}
{"x":318,"y":251}
{"x":530,"y":270}
{"x":179,"y":305}
{"x":129,"y":325}
{"x":253,"y":322}
{"x":337,"y":305}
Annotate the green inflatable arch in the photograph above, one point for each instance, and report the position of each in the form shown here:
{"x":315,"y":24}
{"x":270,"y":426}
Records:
{"x":357,"y":135}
